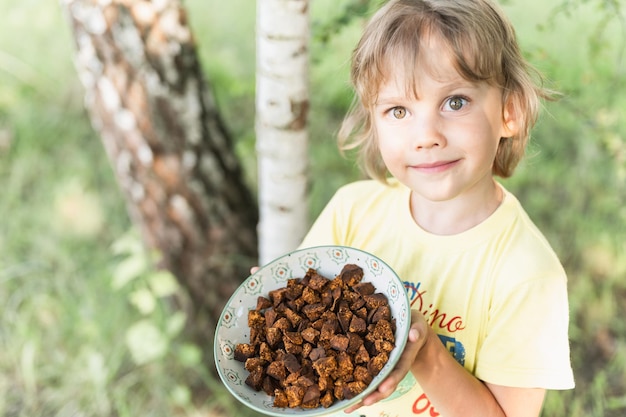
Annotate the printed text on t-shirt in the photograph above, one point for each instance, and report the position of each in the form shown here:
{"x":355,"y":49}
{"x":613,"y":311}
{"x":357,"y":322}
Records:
{"x":434,"y":317}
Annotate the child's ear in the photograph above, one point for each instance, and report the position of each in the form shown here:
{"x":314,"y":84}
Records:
{"x":510,"y":118}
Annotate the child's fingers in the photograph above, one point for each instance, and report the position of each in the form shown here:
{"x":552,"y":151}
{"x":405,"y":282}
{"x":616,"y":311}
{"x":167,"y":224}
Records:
{"x":384,"y":390}
{"x":353,"y":407}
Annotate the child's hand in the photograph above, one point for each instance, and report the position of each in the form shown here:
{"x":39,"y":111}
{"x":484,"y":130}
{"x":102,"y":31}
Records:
{"x":418,"y":335}
{"x":253,"y":269}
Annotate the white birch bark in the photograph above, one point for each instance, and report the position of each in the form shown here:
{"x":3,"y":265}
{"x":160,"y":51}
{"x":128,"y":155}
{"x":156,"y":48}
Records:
{"x":282,"y":105}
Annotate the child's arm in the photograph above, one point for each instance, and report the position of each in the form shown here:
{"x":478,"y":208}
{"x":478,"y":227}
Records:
{"x":450,"y":387}
{"x":518,"y":401}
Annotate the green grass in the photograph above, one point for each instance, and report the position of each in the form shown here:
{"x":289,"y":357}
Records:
{"x":70,"y":333}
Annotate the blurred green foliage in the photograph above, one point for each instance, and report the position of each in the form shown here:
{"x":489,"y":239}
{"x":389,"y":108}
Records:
{"x":79,"y":299}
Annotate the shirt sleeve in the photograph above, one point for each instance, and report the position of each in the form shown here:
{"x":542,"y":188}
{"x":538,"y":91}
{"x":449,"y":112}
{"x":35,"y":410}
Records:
{"x":527,"y":342}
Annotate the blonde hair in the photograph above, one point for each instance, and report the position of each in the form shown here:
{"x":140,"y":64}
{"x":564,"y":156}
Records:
{"x":483,"y":46}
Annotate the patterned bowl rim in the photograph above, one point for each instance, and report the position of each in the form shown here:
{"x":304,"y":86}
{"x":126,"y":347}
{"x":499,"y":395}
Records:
{"x":320,"y":411}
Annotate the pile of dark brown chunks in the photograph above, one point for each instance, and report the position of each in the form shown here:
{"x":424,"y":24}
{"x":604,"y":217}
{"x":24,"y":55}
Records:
{"x":318,"y":340}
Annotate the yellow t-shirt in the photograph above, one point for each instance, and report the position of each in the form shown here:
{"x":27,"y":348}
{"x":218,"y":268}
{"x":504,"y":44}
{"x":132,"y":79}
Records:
{"x":496,"y":294}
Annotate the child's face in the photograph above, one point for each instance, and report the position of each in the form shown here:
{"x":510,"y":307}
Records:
{"x":441,"y":144}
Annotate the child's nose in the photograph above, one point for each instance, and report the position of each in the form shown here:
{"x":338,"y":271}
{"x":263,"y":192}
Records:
{"x":426,"y":132}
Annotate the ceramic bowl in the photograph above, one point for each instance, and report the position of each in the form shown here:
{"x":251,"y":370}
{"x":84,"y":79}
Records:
{"x":233,"y":329}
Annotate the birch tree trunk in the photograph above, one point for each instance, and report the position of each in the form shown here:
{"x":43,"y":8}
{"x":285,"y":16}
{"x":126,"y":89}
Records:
{"x":282,"y":105}
{"x":170,"y":151}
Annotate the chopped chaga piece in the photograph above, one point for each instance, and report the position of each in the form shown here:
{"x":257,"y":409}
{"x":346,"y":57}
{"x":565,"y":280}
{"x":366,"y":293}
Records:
{"x":317,"y":281}
{"x":330,"y":327}
{"x":329,"y":315}
{"x":362,"y":355}
{"x":355,"y":342}
{"x":310,"y":296}
{"x":381,"y":313}
{"x":362,"y":374}
{"x":339,"y":342}
{"x":311,"y":335}
{"x":279,"y":354}
{"x":358,"y":305}
{"x":351,"y":297}
{"x":277,"y":370}
{"x":307,"y":368}
{"x":336,"y":284}
{"x":374,"y":301}
{"x":305,"y":381}
{"x":297,"y":304}
{"x":253,"y":363}
{"x":352,"y":389}
{"x":357,"y":325}
{"x":381,"y":330}
{"x":351,"y":274}
{"x":294,"y":395}
{"x":345,"y":368}
{"x":338,"y":389}
{"x":265,"y":353}
{"x":268,"y":385}
{"x":293,"y":337}
{"x":365,"y":288}
{"x":244,"y":351}
{"x":292,"y":347}
{"x":311,"y":398}
{"x":283,"y":324}
{"x":325,"y":344}
{"x":344,"y":315}
{"x":376,"y":364}
{"x":316,"y":353}
{"x":274,"y":336}
{"x":304,"y":324}
{"x":325,"y":383}
{"x":313,"y":311}
{"x":278,"y":296}
{"x":361,"y":312}
{"x":335,"y":292}
{"x":306,"y":349}
{"x":262,"y":303}
{"x":255,"y":378}
{"x":381,"y":345}
{"x":271,"y":316}
{"x":307,"y":277}
{"x":280,"y":399}
{"x":293,"y":317}
{"x":255,"y":319}
{"x":257,"y":335}
{"x":291,"y":363}
{"x":327,"y":399}
{"x":294,"y":289}
{"x":317,"y":324}
{"x":291,"y":379}
{"x":326,"y":298}
{"x":325,"y":366}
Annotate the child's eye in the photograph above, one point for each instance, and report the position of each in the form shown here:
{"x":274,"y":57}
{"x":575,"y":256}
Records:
{"x":455,"y":103}
{"x":398,"y":112}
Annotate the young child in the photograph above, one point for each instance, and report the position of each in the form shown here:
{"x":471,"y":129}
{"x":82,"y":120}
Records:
{"x":445,"y":103}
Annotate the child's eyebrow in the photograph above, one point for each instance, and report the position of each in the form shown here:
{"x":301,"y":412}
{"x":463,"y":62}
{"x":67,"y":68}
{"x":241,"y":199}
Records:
{"x":388,"y":100}
{"x":459,"y":83}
